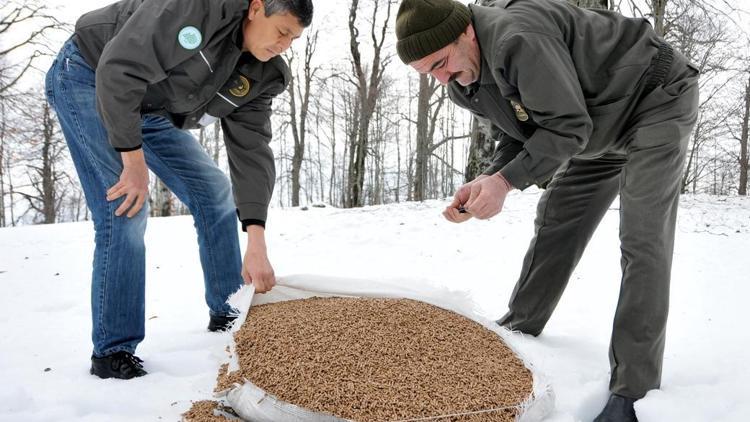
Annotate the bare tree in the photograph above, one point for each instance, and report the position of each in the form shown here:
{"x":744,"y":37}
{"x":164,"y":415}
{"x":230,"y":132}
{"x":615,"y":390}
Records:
{"x":48,"y":182}
{"x":368,"y":92}
{"x":160,"y":199}
{"x":299,"y":89}
{"x":14,"y":17}
{"x":742,"y":138}
{"x":427,"y":115}
{"x":743,"y":142}
{"x":481,"y":150}
{"x":3,"y":160}
{"x":591,"y":4}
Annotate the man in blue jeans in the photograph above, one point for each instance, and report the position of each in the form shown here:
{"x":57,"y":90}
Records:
{"x":135,"y":75}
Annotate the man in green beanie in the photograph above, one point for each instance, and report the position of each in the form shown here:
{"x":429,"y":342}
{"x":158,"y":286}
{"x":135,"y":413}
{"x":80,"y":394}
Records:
{"x":597,"y":105}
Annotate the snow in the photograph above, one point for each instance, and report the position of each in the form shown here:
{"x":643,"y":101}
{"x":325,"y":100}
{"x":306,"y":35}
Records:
{"x":45,"y":270}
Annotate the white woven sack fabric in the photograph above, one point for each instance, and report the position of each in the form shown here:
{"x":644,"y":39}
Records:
{"x":256,"y":405}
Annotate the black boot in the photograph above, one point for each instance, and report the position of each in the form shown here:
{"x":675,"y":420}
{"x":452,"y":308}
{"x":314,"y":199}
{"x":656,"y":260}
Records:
{"x":618,"y":409}
{"x":221,"y":322}
{"x":122,"y":365}
{"x":516,"y":329}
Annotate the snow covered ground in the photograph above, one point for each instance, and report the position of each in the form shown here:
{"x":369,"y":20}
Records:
{"x":44,"y":323}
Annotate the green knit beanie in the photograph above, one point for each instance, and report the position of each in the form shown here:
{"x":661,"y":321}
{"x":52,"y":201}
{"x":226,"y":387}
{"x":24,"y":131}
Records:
{"x":425,"y":26}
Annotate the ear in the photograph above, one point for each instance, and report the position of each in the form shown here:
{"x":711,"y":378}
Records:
{"x":256,"y":6}
{"x":470,"y":32}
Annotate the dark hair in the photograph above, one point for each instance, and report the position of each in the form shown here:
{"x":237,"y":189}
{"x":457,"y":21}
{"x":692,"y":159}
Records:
{"x":302,"y":9}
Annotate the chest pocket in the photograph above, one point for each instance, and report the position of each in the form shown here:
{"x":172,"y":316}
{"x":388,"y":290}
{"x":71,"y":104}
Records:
{"x":235,"y":93}
{"x":198,"y":69}
{"x":188,"y":85}
{"x":499,"y":111}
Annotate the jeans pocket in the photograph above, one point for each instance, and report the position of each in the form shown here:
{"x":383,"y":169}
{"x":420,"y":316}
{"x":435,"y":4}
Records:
{"x":75,"y":68}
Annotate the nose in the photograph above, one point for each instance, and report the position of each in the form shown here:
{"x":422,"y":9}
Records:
{"x":285,"y":43}
{"x":442,"y":75}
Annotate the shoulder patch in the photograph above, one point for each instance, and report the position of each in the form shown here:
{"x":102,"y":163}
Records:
{"x":190,"y":38}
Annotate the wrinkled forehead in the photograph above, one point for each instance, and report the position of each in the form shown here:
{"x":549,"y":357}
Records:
{"x":290,"y":23}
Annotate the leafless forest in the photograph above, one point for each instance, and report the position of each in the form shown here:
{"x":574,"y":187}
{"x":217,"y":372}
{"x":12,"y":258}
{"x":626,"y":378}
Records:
{"x":364,"y":130}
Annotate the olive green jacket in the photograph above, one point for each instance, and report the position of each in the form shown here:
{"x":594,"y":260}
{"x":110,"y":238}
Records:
{"x":183,"y":59}
{"x":556,"y":82}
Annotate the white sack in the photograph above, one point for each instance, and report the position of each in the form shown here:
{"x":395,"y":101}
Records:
{"x":254,"y":404}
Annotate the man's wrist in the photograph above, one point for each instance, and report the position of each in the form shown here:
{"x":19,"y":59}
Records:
{"x":505,"y":181}
{"x":133,"y":158}
{"x":256,"y":235}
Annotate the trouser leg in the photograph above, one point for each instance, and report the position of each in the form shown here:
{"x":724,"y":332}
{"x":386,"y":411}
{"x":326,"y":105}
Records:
{"x":650,"y":188}
{"x":177,"y":158}
{"x":567,"y":215}
{"x":118,"y":276}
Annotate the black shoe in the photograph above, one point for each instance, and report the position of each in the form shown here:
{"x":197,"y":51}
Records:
{"x":122,"y":365}
{"x":221,"y":322}
{"x":618,"y":409}
{"x":516,"y":329}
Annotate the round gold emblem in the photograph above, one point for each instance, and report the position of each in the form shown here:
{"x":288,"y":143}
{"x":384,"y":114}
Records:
{"x":242,"y":88}
{"x":521,"y":114}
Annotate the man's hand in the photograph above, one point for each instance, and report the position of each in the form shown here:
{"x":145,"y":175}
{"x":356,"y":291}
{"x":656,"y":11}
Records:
{"x":256,"y":268}
{"x":487,"y":196}
{"x":453,"y":212}
{"x":133,"y":184}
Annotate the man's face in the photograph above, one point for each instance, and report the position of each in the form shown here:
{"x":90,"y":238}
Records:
{"x":266,"y":37}
{"x":459,"y":61}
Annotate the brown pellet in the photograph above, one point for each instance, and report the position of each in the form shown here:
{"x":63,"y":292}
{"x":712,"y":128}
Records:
{"x":379,"y":360}
{"x":203,"y":411}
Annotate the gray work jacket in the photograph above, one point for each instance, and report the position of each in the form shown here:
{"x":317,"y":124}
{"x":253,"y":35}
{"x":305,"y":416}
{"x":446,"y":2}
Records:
{"x":183,"y":59}
{"x":556,"y":82}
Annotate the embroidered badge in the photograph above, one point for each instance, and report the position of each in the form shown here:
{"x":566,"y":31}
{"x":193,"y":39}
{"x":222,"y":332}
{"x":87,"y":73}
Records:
{"x":190,"y":38}
{"x":241,"y":88}
{"x":521,"y":113}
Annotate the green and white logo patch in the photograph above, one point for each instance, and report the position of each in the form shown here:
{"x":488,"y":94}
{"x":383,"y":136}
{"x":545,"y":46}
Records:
{"x":190,"y":37}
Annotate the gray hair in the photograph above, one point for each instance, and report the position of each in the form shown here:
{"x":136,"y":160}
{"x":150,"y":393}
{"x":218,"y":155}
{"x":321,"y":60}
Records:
{"x":302,"y":9}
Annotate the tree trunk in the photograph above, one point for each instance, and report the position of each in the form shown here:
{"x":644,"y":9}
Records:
{"x":481,"y":150}
{"x":368,"y":92}
{"x":302,"y":88}
{"x":217,"y":141}
{"x":12,"y":203}
{"x":422,"y":153}
{"x":332,"y":186}
{"x":658,"y":8}
{"x":47,"y":170}
{"x":299,"y":139}
{"x":398,"y":164}
{"x":3,"y":128}
{"x":161,"y":200}
{"x":590,"y":4}
{"x":743,"y":143}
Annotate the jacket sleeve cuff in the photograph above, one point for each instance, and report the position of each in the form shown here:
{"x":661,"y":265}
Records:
{"x":250,"y":222}
{"x":516,"y":174}
{"x":492,"y":169}
{"x":252,"y":214}
{"x":128,"y":149}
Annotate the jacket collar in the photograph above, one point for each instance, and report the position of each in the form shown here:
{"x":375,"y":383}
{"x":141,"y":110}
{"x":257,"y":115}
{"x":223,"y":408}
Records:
{"x":251,"y":66}
{"x":480,"y":15}
{"x":492,"y":3}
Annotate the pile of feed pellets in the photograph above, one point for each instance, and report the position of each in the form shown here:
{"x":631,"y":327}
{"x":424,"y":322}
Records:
{"x":383,"y":360}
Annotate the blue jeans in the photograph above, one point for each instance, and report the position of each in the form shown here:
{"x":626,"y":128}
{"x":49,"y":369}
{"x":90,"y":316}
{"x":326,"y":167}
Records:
{"x":118,"y":280}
